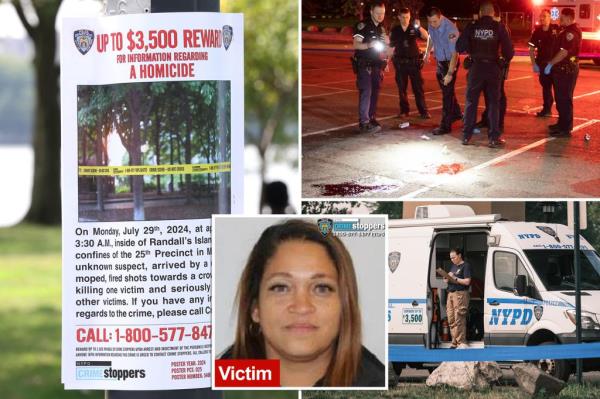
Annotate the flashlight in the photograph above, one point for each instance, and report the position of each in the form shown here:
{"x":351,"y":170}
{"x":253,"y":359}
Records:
{"x":417,"y":24}
{"x":378,"y":46}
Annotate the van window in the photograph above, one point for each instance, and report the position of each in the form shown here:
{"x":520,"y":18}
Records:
{"x":555,"y":268}
{"x":584,"y":11}
{"x":506,"y":266}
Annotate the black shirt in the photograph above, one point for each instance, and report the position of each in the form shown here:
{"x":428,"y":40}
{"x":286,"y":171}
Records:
{"x":371,"y":372}
{"x":569,"y":39}
{"x":405,"y":41}
{"x":482,"y":38}
{"x":461,"y":271}
{"x":544,"y":42}
{"x":368,"y":32}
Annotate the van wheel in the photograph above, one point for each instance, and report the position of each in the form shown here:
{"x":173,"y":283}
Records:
{"x":394,"y":371}
{"x":558,"y":368}
{"x":398,"y":367}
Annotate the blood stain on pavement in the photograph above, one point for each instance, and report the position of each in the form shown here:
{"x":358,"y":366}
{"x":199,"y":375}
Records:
{"x":349,"y":189}
{"x":589,"y":187}
{"x":450,"y":169}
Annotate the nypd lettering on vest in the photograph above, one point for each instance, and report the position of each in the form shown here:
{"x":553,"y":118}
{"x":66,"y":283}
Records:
{"x":484,"y":34}
{"x":511,"y":316}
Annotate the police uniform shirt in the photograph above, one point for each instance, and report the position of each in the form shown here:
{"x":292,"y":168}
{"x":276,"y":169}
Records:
{"x":569,"y":39}
{"x":368,"y":32}
{"x":482,"y":38}
{"x":405,"y":41}
{"x":460,"y":271}
{"x":444,"y":39}
{"x":544,"y":42}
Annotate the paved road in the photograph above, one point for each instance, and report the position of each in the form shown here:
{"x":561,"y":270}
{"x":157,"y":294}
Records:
{"x":337,"y":161}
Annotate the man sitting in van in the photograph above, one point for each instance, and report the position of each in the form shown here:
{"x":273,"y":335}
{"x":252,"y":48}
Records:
{"x":457,"y":304}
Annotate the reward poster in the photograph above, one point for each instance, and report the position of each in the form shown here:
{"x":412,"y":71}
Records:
{"x":152,"y":141}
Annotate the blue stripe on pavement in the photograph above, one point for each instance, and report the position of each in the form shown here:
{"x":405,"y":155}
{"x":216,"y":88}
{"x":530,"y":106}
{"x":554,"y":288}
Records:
{"x":418,"y":353}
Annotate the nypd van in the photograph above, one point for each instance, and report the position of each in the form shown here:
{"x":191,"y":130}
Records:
{"x":522,"y":288}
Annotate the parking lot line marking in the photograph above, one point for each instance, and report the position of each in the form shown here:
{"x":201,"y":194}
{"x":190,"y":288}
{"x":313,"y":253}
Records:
{"x":429,"y":92}
{"x":491,"y":162}
{"x":332,"y":129}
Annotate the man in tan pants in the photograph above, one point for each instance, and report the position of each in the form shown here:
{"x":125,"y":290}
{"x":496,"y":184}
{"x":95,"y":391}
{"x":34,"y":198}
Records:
{"x":457,"y":305}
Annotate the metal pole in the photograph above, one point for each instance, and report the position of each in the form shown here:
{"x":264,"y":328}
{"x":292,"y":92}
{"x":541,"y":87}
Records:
{"x":157,"y":6}
{"x":577,"y":286}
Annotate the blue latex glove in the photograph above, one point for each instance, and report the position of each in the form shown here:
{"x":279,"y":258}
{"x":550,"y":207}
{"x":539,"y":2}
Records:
{"x":547,"y":69}
{"x":536,"y":68}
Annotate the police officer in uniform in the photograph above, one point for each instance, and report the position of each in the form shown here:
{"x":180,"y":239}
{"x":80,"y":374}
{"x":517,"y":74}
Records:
{"x":482,"y":39}
{"x":370,"y":41}
{"x":504,"y":75}
{"x":565,"y":69}
{"x":408,"y":61}
{"x":543,"y":39}
{"x":443,"y":35}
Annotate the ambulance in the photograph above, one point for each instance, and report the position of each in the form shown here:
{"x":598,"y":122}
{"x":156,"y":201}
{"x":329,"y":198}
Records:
{"x":522,"y":288}
{"x":587,"y":16}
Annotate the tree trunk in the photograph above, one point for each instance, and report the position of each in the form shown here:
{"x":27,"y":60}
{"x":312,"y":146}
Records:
{"x":224,"y":138}
{"x":157,"y":141}
{"x":135,"y":154}
{"x":45,"y":197}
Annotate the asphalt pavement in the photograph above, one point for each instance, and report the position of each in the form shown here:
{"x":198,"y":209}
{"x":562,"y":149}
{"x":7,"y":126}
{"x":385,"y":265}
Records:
{"x":338,"y":161}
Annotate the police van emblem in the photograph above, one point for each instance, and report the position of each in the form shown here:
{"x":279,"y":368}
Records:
{"x":84,"y":39}
{"x":550,"y":231}
{"x":393,"y":260}
{"x":227,"y":36}
{"x":325,"y":226}
{"x":538,"y":311}
{"x":570,"y":36}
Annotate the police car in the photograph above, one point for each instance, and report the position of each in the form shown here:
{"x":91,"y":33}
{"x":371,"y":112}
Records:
{"x":587,"y":16}
{"x":522,"y":286}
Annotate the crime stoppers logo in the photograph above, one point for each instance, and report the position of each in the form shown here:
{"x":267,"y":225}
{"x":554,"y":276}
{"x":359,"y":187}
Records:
{"x":84,"y":39}
{"x":100,"y":370}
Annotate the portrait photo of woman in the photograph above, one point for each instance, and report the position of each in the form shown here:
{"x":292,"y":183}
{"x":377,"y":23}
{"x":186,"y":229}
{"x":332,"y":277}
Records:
{"x":297,"y":301}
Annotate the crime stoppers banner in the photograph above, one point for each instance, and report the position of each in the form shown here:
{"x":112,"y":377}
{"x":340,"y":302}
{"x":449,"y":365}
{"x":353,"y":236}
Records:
{"x":152,"y":146}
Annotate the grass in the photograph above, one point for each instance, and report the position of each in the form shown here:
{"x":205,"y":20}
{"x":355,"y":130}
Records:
{"x":30,"y":318}
{"x":421,"y":391}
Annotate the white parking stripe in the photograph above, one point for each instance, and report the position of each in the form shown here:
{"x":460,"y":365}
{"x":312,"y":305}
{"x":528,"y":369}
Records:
{"x":491,"y":162}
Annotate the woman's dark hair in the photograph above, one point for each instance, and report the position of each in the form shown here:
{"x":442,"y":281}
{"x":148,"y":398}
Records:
{"x":249,"y":341}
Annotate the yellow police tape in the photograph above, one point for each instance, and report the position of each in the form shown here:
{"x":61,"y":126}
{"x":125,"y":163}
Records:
{"x":155,"y":169}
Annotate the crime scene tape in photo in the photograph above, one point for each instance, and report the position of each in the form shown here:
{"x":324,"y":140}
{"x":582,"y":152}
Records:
{"x":154,"y":169}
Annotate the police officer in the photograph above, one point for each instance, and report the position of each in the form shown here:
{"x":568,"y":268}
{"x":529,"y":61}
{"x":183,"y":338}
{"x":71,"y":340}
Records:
{"x":543,"y":39}
{"x":504,"y":75}
{"x":565,"y":69}
{"x":457,"y":302}
{"x":370,"y":41}
{"x":482,"y":40}
{"x":408,"y":61}
{"x":443,"y":35}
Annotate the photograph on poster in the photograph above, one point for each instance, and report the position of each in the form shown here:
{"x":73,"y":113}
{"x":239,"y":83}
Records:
{"x":300,"y":294}
{"x":154,"y":150}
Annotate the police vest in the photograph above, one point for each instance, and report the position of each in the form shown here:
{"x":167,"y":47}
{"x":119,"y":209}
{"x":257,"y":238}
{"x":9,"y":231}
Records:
{"x":485,"y":40}
{"x":405,"y":42}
